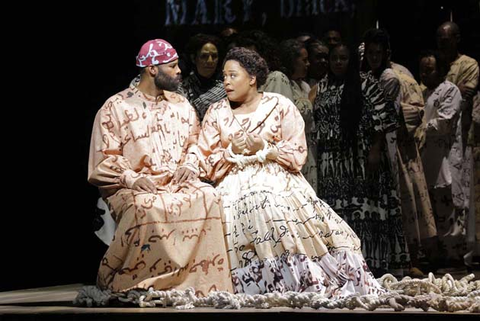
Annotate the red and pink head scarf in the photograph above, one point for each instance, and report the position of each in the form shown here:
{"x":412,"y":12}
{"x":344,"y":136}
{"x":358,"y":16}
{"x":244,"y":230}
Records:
{"x":156,"y":52}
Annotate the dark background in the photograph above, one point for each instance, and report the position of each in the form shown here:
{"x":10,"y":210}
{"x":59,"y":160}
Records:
{"x":75,"y":55}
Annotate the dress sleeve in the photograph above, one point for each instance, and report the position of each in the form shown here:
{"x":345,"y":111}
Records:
{"x":108,"y":169}
{"x":292,"y":146}
{"x":384,"y":115}
{"x":447,"y":112}
{"x":212,"y":153}
{"x":305,"y":107}
{"x":391,"y":86}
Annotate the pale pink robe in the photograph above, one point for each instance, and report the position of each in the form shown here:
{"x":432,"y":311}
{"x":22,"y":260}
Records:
{"x":172,"y":239}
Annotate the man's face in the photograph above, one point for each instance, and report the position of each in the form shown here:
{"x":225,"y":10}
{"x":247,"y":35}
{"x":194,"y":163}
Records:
{"x":428,"y":72}
{"x":332,"y":38}
{"x":446,"y":40}
{"x":169,"y":76}
{"x":318,"y":61}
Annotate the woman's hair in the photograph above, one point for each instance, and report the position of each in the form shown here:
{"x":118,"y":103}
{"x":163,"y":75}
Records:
{"x":251,"y":61}
{"x":290,"y":49}
{"x":380,"y":37}
{"x":195,"y":44}
{"x":312,"y":43}
{"x":351,"y":105}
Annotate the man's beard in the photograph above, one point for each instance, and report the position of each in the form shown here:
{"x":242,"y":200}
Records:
{"x":165,"y":82}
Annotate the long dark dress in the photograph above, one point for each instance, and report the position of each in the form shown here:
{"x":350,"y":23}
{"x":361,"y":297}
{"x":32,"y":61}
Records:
{"x":368,"y":201}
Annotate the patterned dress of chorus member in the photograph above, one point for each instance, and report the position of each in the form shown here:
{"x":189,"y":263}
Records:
{"x":365,"y":197}
{"x":474,"y":219}
{"x":279,"y":235}
{"x":295,"y":64}
{"x":168,"y":235}
{"x":405,"y":94}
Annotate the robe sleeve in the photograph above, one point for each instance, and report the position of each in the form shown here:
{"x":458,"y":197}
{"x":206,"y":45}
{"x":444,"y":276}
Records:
{"x":292,"y":146}
{"x":108,"y":169}
{"x":191,"y":158}
{"x":412,"y":106}
{"x":212,"y":154}
{"x":476,"y":109}
{"x":447,"y":113}
{"x":469,"y":75}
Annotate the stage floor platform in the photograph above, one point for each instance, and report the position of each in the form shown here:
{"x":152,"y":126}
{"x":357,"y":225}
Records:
{"x":55,"y":303}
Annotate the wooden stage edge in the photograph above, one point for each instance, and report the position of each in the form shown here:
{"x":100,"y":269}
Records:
{"x":55,"y":303}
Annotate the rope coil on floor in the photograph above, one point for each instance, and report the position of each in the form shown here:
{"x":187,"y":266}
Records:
{"x":441,"y":294}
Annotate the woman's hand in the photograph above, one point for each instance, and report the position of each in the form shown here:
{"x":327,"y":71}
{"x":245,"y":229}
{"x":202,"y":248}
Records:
{"x":254,"y":143}
{"x":238,"y":143}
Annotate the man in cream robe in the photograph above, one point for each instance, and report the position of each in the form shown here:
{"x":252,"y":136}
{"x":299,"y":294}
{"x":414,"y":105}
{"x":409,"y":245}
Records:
{"x":169,"y":230}
{"x":463,"y":73}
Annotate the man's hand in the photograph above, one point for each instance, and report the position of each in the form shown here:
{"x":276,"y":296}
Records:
{"x":144,"y":184}
{"x":184,"y":174}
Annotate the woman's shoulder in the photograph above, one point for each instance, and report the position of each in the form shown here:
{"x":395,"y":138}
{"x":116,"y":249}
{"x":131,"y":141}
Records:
{"x":276,"y":74}
{"x":388,"y":73}
{"x":368,"y":80}
{"x":279,"y":98}
{"x":218,"y":108}
{"x":390,"y":78}
{"x":367,"y":76}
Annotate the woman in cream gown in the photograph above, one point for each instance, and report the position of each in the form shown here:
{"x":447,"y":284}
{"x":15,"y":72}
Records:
{"x":280,"y":236}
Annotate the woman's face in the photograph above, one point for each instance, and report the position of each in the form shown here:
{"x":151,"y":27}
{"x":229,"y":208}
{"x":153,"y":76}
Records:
{"x":374,"y":55}
{"x":339,"y":59}
{"x":237,"y":81}
{"x":300,"y":65}
{"x":206,"y":60}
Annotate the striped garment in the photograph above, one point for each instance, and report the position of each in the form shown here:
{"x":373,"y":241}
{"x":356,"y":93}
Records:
{"x":202,"y":92}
